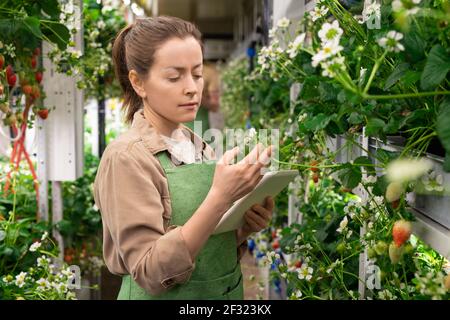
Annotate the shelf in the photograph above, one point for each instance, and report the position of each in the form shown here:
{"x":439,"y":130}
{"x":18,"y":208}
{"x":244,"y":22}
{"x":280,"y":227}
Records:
{"x":432,"y":233}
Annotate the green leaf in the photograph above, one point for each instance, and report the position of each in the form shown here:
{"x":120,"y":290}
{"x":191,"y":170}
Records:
{"x":398,"y":73}
{"x":350,"y":176}
{"x":8,"y":28}
{"x":365,"y":162}
{"x":392,"y":126}
{"x":436,"y":68}
{"x":374,"y":126}
{"x":355,"y":118}
{"x":380,"y":186}
{"x":317,"y":122}
{"x":419,"y":115}
{"x":309,"y":90}
{"x":414,"y":46}
{"x":33,"y":24}
{"x":410,"y":77}
{"x":51,"y":7}
{"x":443,"y":124}
{"x":57,"y":33}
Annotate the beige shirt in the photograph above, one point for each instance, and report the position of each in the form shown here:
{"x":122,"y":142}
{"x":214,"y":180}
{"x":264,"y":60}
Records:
{"x":132,"y":193}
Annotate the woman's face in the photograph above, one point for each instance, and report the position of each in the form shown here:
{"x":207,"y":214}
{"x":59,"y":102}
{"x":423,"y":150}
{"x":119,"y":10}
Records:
{"x":174,"y":85}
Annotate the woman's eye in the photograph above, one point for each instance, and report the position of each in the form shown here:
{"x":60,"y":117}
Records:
{"x":198,"y":76}
{"x":174,"y":79}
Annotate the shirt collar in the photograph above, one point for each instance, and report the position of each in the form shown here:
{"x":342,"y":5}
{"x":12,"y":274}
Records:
{"x":155,"y":143}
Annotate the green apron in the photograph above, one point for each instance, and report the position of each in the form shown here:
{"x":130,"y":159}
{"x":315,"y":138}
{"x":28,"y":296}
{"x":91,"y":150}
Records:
{"x":217,"y":274}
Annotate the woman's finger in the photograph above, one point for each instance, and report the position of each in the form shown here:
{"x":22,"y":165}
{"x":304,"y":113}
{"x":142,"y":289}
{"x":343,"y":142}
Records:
{"x":269,"y":205}
{"x":263,"y":212}
{"x":229,"y":156}
{"x":260,"y":221}
{"x":253,"y":225}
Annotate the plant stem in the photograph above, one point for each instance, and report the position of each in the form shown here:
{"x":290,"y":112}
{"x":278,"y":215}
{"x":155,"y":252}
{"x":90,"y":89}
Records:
{"x":374,"y":71}
{"x":405,"y":95}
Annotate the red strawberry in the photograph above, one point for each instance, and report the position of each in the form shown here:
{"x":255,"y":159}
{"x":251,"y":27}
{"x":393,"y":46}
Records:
{"x":37,"y":51}
{"x":274,"y":234}
{"x":313,"y":165}
{"x":2,"y":61}
{"x":1,"y":89}
{"x":27,"y":89}
{"x":33,"y":62}
{"x":12,"y":80}
{"x":275,"y":244}
{"x":9,"y":71}
{"x":395,"y":204}
{"x":401,"y":231}
{"x":38,"y":77}
{"x":68,"y":258}
{"x":315,"y":177}
{"x":298,"y":264}
{"x":43,"y":113}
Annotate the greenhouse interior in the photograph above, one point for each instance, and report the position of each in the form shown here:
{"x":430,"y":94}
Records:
{"x":322,"y":172}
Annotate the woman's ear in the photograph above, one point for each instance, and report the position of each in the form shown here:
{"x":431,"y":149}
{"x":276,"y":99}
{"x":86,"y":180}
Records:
{"x":137,"y":83}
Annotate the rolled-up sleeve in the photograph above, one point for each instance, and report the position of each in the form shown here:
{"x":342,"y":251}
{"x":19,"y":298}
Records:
{"x":132,"y":210}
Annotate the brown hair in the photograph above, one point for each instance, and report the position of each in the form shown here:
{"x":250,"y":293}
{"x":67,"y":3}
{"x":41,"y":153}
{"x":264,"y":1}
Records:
{"x":135,"y":46}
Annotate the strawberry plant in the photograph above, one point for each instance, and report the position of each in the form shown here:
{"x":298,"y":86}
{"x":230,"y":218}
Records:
{"x":354,"y":80}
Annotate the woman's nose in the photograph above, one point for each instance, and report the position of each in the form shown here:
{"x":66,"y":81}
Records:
{"x":190,"y":86}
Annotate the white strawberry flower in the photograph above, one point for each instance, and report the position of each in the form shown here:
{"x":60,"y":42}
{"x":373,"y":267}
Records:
{"x":318,"y":12}
{"x":342,"y":225}
{"x":328,"y":50}
{"x":43,"y":261}
{"x":272,"y":32}
{"x":294,"y":46}
{"x":35,"y":246}
{"x":332,"y":66}
{"x":43,"y":284}
{"x":330,"y":32}
{"x":391,"y":41}
{"x":407,"y":6}
{"x":283,"y":23}
{"x":20,"y":279}
{"x":433,"y":182}
{"x":44,"y":236}
{"x":305,"y":272}
{"x":296,"y":294}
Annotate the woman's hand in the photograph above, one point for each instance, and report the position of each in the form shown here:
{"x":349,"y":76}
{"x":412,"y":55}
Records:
{"x":233,"y":181}
{"x":256,"y":219}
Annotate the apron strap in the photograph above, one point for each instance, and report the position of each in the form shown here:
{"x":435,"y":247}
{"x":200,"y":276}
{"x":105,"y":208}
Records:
{"x":165,"y":161}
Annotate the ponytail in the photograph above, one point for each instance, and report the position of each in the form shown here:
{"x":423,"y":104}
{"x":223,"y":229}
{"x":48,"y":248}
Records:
{"x":132,"y":101}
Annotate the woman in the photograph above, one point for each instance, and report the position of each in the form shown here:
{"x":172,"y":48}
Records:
{"x":160,"y":207}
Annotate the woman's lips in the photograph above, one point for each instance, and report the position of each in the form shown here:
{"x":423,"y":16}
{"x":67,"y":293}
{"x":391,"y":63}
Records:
{"x":190,"y":106}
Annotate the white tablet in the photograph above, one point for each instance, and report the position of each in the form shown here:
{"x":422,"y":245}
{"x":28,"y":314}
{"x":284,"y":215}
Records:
{"x":270,"y":185}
